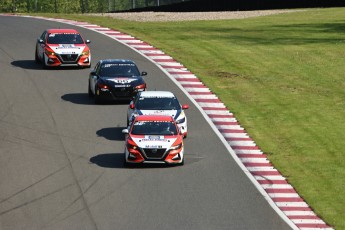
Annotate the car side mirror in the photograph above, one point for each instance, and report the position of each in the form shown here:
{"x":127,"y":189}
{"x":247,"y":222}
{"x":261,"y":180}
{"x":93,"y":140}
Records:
{"x":185,"y":106}
{"x":125,"y":131}
{"x":94,"y":74}
{"x":87,"y":41}
{"x":143,"y":73}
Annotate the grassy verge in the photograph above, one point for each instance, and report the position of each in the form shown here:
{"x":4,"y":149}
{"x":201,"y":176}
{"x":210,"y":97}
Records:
{"x":283,"y":78}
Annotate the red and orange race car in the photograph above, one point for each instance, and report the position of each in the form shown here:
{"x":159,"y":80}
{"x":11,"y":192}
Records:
{"x":154,"y":139}
{"x":62,"y":47}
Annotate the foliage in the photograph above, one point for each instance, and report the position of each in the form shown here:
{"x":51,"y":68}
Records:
{"x":80,"y":6}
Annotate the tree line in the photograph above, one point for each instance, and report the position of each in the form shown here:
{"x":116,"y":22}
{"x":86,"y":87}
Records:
{"x":77,"y":6}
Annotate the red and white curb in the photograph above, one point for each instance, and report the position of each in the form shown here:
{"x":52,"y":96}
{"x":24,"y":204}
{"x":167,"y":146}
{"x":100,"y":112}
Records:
{"x":272,"y":185}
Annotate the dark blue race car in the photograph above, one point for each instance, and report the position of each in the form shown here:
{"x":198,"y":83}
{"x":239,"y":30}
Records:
{"x":115,"y":80}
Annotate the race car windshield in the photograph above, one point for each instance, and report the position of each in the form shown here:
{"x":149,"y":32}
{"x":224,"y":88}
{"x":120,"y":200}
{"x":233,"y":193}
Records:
{"x":158,"y":103}
{"x":154,"y":128}
{"x":116,"y":70}
{"x":65,"y":39}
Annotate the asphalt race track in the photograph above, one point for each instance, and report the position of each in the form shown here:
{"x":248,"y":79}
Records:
{"x":61,"y":156}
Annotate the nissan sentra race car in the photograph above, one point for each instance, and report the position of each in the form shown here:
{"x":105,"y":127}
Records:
{"x":115,"y":80}
{"x":62,"y":47}
{"x":158,"y":103}
{"x":153,"y":139}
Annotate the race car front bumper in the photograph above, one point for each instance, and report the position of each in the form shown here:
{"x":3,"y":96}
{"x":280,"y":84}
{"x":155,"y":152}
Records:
{"x":68,"y":60}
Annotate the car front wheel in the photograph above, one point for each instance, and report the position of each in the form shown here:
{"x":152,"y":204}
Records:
{"x":44,"y":63}
{"x":97,"y":98}
{"x":37,"y":60}
{"x":90,"y":91}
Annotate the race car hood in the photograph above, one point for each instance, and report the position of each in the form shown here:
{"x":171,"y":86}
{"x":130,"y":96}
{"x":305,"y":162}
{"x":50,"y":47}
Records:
{"x":154,"y":141}
{"x":172,"y":113}
{"x":68,"y":48}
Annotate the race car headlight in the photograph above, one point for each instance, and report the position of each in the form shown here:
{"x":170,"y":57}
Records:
{"x":86,"y":53}
{"x":49,"y":52}
{"x":176,"y":147}
{"x":130,"y":146}
{"x":102,"y":86}
{"x":180,"y":121}
{"x":142,"y":86}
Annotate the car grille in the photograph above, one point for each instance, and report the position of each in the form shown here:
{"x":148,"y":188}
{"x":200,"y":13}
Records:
{"x":122,"y":91}
{"x":154,"y":153}
{"x":69,"y":58}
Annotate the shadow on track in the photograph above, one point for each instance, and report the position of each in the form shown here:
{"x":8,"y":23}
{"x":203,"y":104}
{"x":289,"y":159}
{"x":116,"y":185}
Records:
{"x":27,"y":64}
{"x":31,"y":64}
{"x":113,"y":133}
{"x":84,"y":99}
{"x":108,"y":160}
{"x":78,"y":98}
{"x":115,"y":160}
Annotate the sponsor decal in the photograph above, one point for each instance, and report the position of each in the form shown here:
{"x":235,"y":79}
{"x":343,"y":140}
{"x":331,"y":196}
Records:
{"x":121,"y":86}
{"x":117,"y":64}
{"x":122,"y":80}
{"x":155,"y":96}
{"x":154,"y":137}
{"x":160,"y":112}
{"x":153,"y":146}
{"x":66,"y":46}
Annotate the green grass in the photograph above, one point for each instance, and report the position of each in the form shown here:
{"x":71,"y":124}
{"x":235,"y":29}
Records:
{"x":283,"y":78}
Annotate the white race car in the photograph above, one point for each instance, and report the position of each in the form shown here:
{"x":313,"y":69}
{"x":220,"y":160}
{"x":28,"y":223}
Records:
{"x":62,"y":47}
{"x":158,"y":103}
{"x":153,"y":139}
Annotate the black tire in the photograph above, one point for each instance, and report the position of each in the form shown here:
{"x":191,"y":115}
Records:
{"x":44,"y":63}
{"x":89,"y":90}
{"x":97,"y":98}
{"x":37,"y":60}
{"x":125,"y":163}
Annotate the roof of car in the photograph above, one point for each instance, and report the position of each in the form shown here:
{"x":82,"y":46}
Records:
{"x":154,"y":118}
{"x":156,"y":94}
{"x":112,"y":61}
{"x":62,"y":31}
